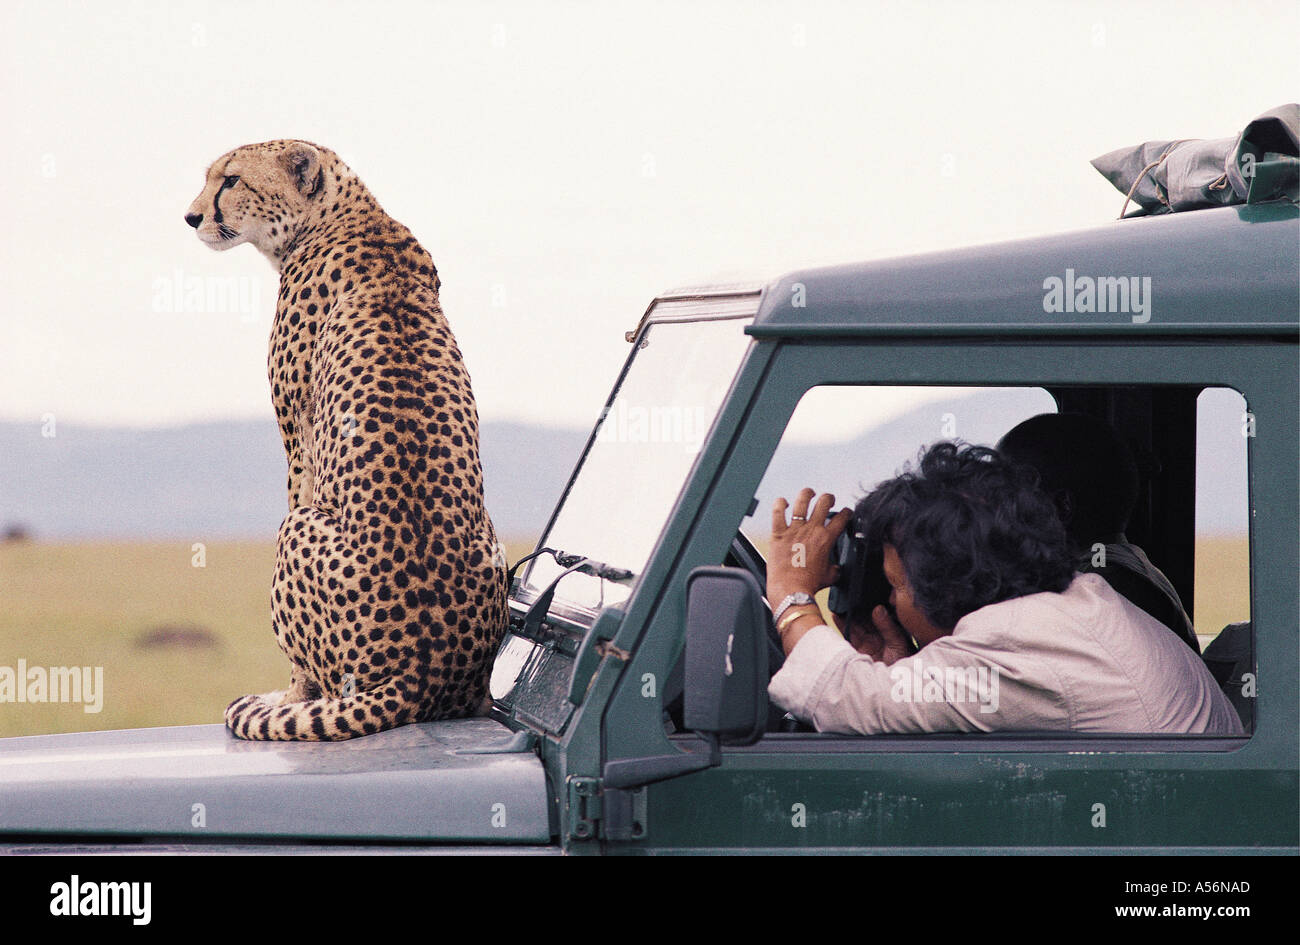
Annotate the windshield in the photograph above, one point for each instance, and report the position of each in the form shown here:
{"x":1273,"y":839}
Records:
{"x":645,"y":445}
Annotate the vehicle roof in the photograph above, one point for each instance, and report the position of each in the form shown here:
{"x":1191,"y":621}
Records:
{"x":1227,"y":271}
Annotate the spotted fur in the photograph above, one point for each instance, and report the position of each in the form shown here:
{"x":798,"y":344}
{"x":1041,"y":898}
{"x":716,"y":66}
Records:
{"x":389,"y":591}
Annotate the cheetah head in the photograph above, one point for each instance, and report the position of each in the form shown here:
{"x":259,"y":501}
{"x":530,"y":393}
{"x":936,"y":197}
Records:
{"x":258,"y":194}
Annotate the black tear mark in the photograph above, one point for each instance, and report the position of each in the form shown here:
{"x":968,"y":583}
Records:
{"x":216,"y":209}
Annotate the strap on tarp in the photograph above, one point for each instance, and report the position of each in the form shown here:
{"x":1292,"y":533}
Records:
{"x":1259,"y":165}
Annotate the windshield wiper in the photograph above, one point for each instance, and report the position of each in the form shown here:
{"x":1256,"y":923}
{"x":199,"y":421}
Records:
{"x":537,"y":613}
{"x":575,"y":563}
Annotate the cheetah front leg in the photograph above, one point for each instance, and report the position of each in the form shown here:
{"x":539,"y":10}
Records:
{"x":301,"y":689}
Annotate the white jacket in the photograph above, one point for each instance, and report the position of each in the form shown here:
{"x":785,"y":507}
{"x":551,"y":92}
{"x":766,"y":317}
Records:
{"x":1084,"y":660}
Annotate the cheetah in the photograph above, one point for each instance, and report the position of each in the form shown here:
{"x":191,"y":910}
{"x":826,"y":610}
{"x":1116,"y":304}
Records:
{"x":388,"y":595}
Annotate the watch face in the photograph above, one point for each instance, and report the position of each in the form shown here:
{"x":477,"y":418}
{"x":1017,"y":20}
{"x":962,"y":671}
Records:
{"x":798,"y":598}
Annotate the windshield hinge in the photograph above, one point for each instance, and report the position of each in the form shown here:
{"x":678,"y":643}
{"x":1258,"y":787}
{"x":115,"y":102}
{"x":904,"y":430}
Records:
{"x":614,"y":814}
{"x":625,"y":814}
{"x":584,"y":807}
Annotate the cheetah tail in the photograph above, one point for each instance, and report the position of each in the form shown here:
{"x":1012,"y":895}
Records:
{"x":326,"y":719}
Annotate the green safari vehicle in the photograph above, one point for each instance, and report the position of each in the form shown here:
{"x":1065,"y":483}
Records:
{"x":630,"y":711}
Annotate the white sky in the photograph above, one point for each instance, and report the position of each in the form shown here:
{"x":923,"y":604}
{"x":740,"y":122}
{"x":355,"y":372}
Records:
{"x":562,"y":162}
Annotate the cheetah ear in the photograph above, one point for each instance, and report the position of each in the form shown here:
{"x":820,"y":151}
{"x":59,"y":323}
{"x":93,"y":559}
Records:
{"x":302,"y":162}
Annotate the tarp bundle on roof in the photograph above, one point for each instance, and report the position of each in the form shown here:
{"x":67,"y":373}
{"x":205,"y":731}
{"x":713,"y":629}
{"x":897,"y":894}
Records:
{"x":1259,"y":165}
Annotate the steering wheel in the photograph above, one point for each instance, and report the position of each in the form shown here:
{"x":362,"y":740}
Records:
{"x":743,"y":554}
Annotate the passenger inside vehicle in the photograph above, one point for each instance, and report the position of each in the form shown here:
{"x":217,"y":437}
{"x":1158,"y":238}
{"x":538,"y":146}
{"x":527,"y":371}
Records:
{"x":1092,"y":477}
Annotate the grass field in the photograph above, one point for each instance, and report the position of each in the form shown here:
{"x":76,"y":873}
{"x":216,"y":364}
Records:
{"x":97,"y":604}
{"x":1222,"y":585}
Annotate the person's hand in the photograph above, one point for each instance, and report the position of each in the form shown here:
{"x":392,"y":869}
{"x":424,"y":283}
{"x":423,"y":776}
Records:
{"x":799,"y":557}
{"x":884,"y":641}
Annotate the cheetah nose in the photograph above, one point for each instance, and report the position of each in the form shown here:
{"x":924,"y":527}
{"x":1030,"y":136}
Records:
{"x":194,"y":219}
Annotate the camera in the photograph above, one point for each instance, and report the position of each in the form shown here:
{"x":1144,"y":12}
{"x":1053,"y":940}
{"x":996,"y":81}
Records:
{"x":861,"y":584}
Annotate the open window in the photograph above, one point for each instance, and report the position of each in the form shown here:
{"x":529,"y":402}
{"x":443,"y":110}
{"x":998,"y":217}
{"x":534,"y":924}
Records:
{"x":1190,"y":445}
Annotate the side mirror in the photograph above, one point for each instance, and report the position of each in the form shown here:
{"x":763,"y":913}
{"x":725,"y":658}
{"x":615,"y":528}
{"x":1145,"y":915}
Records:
{"x":726,"y":676}
{"x":726,"y":655}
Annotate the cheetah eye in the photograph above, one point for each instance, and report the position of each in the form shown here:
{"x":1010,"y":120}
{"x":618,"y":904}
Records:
{"x":230,"y":181}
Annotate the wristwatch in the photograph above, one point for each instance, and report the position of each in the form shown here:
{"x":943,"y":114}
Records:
{"x":798,"y":598}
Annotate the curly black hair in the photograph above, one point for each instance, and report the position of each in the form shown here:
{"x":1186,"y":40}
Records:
{"x":971,"y":529}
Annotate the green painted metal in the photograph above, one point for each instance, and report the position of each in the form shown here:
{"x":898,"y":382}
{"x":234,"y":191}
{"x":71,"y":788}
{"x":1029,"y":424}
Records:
{"x":464,"y":780}
{"x":969,"y":798}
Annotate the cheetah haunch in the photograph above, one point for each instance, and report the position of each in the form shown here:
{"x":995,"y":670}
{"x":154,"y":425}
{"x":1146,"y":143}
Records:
{"x":389,"y":593}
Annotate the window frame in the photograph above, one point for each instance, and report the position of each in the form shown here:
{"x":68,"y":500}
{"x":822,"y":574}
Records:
{"x":804,"y":365}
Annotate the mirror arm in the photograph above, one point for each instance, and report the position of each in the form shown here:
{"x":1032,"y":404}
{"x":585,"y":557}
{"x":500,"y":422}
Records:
{"x":636,"y":772}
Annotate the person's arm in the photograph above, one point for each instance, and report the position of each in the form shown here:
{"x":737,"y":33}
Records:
{"x":799,"y":560}
{"x":968,"y":682}
{"x":797,"y":623}
{"x":834,"y":688}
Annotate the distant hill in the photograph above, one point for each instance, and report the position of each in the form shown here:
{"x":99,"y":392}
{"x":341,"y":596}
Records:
{"x":853,"y":468}
{"x":227,"y":480}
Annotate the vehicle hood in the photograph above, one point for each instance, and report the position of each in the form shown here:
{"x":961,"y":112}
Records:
{"x":457,"y":780}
